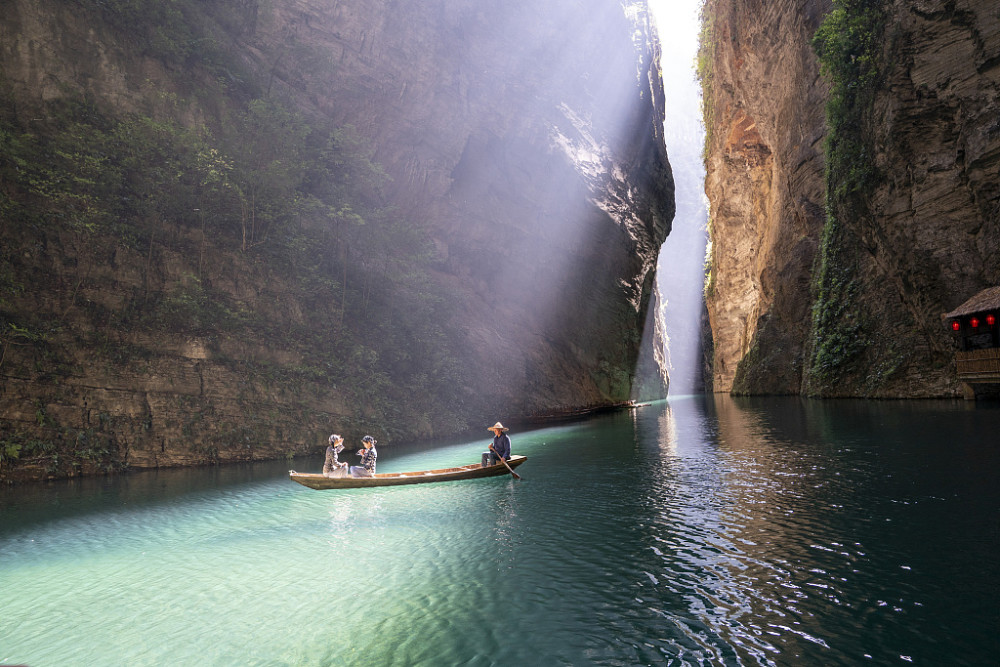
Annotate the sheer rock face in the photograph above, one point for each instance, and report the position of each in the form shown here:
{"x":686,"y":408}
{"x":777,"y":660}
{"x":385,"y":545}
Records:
{"x":527,"y":136}
{"x":531,"y":136}
{"x":764,"y":181}
{"x":931,"y":239}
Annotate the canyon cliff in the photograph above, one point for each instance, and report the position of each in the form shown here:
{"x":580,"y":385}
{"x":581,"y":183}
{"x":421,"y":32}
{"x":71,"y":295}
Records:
{"x":764,"y":181}
{"x":232,"y":227}
{"x":850,"y":209}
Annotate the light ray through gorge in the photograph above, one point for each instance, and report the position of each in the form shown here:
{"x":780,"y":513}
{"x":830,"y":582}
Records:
{"x":559,"y":220}
{"x":680,"y":272}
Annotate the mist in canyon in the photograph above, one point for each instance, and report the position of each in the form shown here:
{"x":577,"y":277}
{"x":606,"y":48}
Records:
{"x":680,"y":272}
{"x":460,"y":211}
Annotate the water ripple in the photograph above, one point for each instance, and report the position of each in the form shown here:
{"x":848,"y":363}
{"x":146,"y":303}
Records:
{"x":664,"y":537}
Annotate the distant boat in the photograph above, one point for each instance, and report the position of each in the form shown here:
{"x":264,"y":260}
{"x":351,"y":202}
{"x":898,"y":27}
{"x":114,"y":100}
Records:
{"x":474,"y":471}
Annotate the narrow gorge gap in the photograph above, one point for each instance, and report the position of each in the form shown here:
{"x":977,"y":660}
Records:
{"x":680,"y":270}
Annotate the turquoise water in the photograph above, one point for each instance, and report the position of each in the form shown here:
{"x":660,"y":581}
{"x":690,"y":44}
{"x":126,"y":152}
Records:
{"x":703,"y":531}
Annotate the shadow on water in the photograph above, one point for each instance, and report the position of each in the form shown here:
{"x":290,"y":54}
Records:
{"x":31,"y":504}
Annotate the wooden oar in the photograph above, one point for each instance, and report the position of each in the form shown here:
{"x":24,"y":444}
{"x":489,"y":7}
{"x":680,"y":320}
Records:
{"x":516,"y":476}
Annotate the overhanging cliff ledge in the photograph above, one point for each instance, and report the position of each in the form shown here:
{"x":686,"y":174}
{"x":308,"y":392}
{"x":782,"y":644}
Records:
{"x":233,"y":227}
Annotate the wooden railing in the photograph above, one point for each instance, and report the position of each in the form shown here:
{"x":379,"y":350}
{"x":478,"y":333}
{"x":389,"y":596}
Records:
{"x":978,"y":365}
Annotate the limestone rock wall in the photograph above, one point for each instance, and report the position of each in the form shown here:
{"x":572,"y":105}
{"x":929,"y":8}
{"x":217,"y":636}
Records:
{"x":932,"y":240}
{"x":933,"y":226}
{"x":527,"y":137}
{"x":764,"y":181}
{"x":540,"y":158}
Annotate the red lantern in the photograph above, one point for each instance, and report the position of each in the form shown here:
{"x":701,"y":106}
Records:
{"x":974,"y":322}
{"x":991,"y":319}
{"x":956,"y":325}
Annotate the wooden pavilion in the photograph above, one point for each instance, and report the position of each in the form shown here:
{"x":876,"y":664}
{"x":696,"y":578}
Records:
{"x":974,"y":326}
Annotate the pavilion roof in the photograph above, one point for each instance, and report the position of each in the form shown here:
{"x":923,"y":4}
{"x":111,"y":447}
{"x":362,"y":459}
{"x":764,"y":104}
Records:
{"x":988,"y":299}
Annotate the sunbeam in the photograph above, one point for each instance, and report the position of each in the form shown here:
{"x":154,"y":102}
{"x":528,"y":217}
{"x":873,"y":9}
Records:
{"x":680,"y":270}
{"x":559,"y":266}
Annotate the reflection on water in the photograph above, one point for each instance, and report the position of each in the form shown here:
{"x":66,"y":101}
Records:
{"x":829,"y":533}
{"x":706,"y":530}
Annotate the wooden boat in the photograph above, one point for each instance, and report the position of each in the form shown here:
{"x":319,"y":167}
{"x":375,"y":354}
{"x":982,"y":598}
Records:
{"x":474,"y":471}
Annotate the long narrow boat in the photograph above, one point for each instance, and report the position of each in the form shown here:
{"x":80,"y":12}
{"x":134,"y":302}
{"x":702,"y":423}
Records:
{"x":474,"y":471}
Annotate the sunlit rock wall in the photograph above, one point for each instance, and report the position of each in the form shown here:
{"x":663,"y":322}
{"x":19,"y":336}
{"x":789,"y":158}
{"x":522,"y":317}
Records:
{"x":929,"y":239}
{"x":527,"y":136}
{"x":764,"y":181}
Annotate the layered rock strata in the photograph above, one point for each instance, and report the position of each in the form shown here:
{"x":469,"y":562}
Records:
{"x":932,"y":238}
{"x":921,"y":241}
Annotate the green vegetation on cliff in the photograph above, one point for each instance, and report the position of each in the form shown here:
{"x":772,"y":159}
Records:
{"x":705,"y":69}
{"x":254,"y":227}
{"x":848,"y":44}
{"x":236,"y":226}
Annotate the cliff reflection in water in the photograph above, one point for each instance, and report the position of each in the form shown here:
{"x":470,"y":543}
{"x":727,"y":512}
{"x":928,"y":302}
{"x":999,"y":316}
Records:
{"x":828,"y":532}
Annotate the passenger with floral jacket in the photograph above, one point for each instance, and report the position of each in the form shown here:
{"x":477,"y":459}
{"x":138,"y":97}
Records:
{"x":368,"y":456}
{"x":332,"y":467}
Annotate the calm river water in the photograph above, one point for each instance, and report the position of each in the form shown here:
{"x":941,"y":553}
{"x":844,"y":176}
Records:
{"x":699,"y":531}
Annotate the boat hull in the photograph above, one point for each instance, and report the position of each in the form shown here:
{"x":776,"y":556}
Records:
{"x":474,"y":471}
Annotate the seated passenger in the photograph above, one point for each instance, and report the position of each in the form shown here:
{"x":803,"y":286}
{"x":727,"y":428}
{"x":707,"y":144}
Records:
{"x":332,"y":467}
{"x":368,"y":456}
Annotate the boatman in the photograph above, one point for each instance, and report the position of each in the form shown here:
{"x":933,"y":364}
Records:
{"x":500,"y":447}
{"x":368,"y":456}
